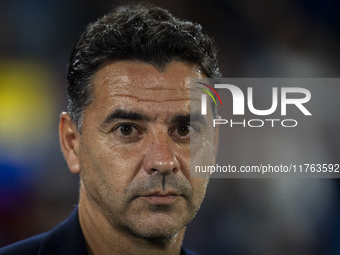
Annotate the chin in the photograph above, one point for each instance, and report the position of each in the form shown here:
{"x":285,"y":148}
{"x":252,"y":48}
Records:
{"x":156,"y":235}
{"x":158,"y":228}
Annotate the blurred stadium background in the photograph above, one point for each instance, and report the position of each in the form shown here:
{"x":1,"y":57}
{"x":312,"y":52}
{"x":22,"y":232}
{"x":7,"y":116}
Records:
{"x":282,"y":38}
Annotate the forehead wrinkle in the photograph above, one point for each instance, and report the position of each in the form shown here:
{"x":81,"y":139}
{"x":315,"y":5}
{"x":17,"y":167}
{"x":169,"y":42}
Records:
{"x":143,"y":83}
{"x":115,"y":84}
{"x":170,"y":89}
{"x":138,"y":99}
{"x":135,"y":90}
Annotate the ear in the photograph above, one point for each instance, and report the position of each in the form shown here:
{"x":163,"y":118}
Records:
{"x":69,"y":137}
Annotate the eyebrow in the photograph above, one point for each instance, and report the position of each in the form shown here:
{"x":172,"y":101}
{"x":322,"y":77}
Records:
{"x":193,"y":117}
{"x":135,"y":116}
{"x":125,"y":115}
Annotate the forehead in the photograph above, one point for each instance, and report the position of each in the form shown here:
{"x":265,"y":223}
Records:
{"x":125,"y":83}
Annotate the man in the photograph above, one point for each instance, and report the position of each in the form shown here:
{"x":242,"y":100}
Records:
{"x":129,"y":134}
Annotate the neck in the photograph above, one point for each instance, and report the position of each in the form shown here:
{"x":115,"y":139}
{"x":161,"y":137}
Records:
{"x":102,"y":238}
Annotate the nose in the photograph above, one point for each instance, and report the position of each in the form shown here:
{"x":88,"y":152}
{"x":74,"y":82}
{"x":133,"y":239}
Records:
{"x":160,"y":156}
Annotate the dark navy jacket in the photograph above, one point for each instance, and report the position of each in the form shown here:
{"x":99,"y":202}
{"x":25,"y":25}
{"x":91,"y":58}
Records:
{"x":64,"y":239}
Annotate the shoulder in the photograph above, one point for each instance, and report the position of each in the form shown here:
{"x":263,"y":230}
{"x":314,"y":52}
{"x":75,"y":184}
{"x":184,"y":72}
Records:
{"x":64,"y":239}
{"x":25,"y":247}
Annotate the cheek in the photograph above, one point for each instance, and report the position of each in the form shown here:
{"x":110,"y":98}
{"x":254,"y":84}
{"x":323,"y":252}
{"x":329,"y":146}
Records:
{"x":199,"y":186}
{"x":182,"y":154}
{"x":107,"y":167}
{"x":202,"y":154}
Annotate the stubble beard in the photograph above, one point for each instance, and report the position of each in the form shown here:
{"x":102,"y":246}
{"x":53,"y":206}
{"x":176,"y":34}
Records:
{"x":134,"y":225}
{"x":168,"y":231}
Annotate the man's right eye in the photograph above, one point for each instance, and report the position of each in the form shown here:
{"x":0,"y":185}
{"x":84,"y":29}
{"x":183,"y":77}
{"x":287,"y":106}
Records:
{"x":127,"y":131}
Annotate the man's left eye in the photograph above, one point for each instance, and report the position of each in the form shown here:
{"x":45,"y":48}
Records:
{"x":126,"y":129}
{"x":183,"y":130}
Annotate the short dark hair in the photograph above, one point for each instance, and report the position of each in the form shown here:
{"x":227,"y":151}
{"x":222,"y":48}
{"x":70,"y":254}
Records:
{"x":135,"y":32}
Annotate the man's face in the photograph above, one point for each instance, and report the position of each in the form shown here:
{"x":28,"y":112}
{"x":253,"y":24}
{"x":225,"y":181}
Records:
{"x":134,"y":149}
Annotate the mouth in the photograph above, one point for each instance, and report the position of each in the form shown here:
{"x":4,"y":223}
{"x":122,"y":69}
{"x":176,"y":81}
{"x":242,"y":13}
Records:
{"x":161,"y":198}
